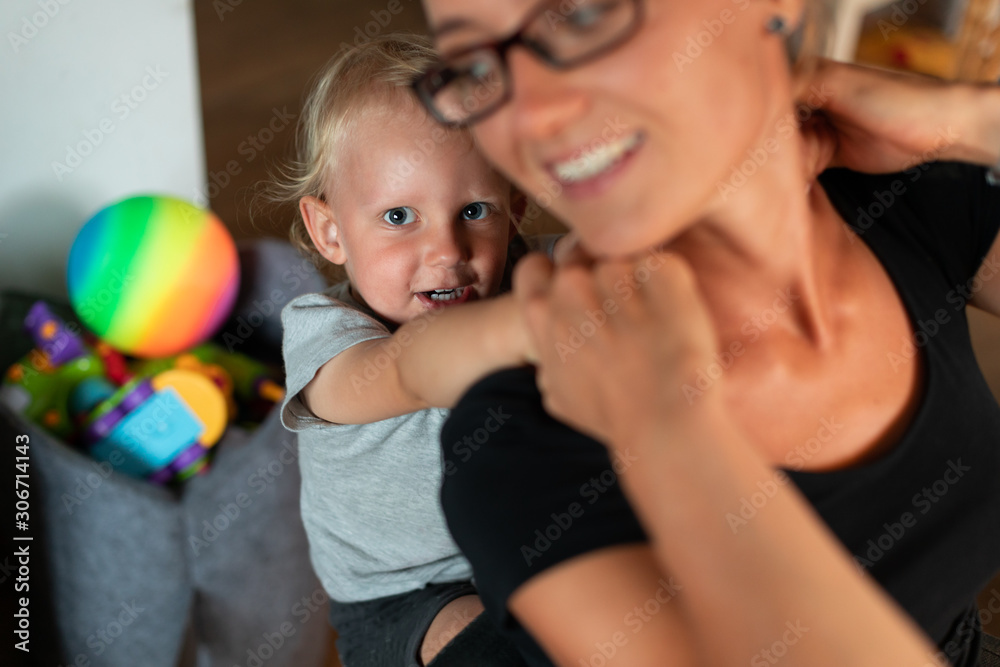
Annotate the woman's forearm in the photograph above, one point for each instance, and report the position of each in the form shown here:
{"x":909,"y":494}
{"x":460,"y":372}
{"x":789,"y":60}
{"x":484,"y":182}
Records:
{"x":779,"y":576}
{"x":978,"y":107}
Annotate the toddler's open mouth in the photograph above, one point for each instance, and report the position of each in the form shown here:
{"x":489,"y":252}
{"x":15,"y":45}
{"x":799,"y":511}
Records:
{"x":445,"y":297}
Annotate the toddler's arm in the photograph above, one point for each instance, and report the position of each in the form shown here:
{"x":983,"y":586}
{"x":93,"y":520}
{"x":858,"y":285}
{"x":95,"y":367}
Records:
{"x":428,"y":362}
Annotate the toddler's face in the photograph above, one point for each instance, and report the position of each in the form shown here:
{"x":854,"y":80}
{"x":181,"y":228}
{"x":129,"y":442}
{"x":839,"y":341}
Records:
{"x":419,"y":220}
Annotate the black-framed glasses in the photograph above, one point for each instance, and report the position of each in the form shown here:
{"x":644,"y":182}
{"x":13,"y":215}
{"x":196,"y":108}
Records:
{"x":473,"y":83}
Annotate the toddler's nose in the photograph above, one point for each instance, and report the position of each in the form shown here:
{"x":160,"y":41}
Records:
{"x":446,"y":246}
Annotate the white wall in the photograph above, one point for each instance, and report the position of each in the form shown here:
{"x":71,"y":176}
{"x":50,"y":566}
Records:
{"x":99,"y":101}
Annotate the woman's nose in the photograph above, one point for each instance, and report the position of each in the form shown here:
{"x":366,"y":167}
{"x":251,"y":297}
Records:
{"x":542,"y":101}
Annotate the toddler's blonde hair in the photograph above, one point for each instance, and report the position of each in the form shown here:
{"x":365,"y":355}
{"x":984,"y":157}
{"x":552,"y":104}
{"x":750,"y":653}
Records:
{"x":352,"y":80}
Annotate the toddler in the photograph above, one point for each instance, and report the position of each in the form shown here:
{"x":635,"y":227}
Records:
{"x":420,"y":223}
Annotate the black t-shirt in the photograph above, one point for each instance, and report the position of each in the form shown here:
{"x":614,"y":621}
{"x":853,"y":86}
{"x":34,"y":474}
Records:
{"x":523,"y":492}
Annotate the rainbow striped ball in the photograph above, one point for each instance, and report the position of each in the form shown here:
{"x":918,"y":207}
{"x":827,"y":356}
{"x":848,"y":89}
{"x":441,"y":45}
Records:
{"x":153,"y":275}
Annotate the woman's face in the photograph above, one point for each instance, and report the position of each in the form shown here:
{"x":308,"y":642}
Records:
{"x":633,"y":146}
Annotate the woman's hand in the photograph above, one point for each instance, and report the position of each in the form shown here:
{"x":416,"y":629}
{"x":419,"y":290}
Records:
{"x":884,"y":121}
{"x":616,"y":341}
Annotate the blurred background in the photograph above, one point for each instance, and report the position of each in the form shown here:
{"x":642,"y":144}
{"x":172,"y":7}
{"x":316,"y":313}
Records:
{"x":109,"y":98}
{"x":199,"y":99}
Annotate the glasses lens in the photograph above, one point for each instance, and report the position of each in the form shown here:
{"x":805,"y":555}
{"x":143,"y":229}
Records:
{"x":563,"y":33}
{"x":470,"y":85}
{"x":573,"y":30}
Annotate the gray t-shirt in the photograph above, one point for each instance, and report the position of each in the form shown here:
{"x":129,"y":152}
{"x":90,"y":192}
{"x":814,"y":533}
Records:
{"x":370,"y":492}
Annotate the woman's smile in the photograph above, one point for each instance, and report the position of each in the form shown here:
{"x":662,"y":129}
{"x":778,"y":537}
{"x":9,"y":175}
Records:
{"x":592,"y":170}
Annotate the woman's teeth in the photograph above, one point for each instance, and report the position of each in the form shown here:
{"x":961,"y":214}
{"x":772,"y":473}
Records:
{"x":596,"y":160}
{"x":446,"y":294}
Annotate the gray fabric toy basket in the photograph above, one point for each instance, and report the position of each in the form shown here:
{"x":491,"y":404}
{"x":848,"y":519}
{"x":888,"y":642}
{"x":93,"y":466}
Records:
{"x":125,"y":573}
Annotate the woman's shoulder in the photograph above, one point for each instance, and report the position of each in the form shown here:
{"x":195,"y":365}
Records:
{"x":957,"y":188}
{"x":926,"y":174}
{"x":948,"y":209}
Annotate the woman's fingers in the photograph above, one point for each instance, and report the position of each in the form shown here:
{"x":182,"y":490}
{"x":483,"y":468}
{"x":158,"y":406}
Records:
{"x":819,"y":146}
{"x":532,"y":276}
{"x":531,"y":284}
{"x":886,"y":121}
{"x":566,"y":248}
{"x":616,"y":339}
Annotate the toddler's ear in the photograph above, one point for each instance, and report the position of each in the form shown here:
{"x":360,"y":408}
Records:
{"x":322,"y":228}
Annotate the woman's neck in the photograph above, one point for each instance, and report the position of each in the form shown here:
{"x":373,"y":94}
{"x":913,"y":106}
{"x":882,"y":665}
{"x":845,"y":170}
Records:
{"x":771,"y":244}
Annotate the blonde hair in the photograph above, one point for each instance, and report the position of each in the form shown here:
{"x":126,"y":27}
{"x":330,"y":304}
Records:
{"x":353,"y":79}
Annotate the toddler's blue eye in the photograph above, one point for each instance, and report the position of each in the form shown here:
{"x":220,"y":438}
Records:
{"x":401,"y":215}
{"x":475,"y":211}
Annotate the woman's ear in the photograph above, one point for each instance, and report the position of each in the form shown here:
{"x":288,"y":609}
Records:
{"x":322,"y":228}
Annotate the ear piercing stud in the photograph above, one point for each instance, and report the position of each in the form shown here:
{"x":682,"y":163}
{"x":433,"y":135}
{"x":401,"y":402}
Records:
{"x":777,"y":25}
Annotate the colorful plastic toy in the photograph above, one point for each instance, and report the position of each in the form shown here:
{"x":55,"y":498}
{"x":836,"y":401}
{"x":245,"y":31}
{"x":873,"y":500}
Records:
{"x":243,"y":380}
{"x":153,"y":275}
{"x":87,"y":395}
{"x":39,"y":385}
{"x":51,"y":335}
{"x":158,"y":427}
{"x":40,"y":391}
{"x":157,"y":419}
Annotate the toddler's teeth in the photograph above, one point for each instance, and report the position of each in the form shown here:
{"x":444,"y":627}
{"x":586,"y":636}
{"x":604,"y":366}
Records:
{"x":446,"y":294}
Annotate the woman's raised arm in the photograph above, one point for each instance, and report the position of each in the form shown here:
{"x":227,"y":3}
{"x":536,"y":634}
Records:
{"x":783,"y":575}
{"x":885,"y":121}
